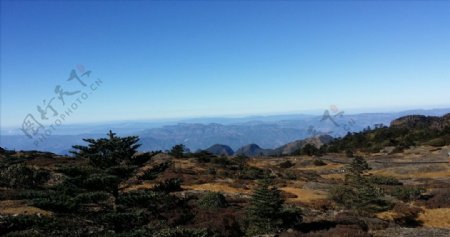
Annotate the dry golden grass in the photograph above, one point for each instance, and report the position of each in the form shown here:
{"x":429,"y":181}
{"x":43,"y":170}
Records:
{"x":264,"y":163}
{"x":324,"y":167}
{"x":333,"y":176}
{"x":413,"y":174}
{"x":143,"y":186}
{"x":187,"y":164}
{"x":304,"y":195}
{"x":386,"y":215}
{"x":216,"y":187}
{"x":436,"y":218}
{"x":20,"y":207}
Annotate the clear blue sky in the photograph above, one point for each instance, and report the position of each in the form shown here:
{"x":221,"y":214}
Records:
{"x":198,"y":58}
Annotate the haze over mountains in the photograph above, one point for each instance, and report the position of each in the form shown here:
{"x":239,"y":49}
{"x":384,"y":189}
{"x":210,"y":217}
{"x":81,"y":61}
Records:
{"x":267,"y":132}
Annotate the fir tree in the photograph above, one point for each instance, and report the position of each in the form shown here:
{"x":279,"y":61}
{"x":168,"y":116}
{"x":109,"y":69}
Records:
{"x":107,"y":152}
{"x":264,"y":212}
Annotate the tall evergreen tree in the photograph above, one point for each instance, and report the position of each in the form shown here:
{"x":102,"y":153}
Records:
{"x":107,"y":152}
{"x":264,"y":211}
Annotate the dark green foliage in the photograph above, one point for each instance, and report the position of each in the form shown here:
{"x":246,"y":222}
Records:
{"x":250,"y":172}
{"x":108,"y":183}
{"x":212,"y":200}
{"x":140,"y":198}
{"x":399,"y":136}
{"x":342,"y":194}
{"x":358,"y":166}
{"x":17,"y":223}
{"x":122,"y":171}
{"x":383,"y":180}
{"x":407,"y":193}
{"x":264,"y":212}
{"x":177,"y":151}
{"x":22,"y":176}
{"x":142,"y":158}
{"x":290,"y":175}
{"x":32,"y":194}
{"x":203,"y":156}
{"x":57,"y":203}
{"x":107,"y":152}
{"x":152,"y":173}
{"x":437,"y":142}
{"x":221,"y":161}
{"x":291,"y":216}
{"x":240,"y":160}
{"x":170,"y":185}
{"x":124,"y":221}
{"x":76,"y":171}
{"x":309,"y":150}
{"x":358,"y":192}
{"x":361,"y":196}
{"x":286,"y":164}
{"x":92,"y":197}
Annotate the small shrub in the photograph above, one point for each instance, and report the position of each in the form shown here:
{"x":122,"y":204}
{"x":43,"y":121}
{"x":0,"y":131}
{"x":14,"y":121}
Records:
{"x":252,"y":173}
{"x":318,"y":162}
{"x":222,"y":161}
{"x":92,"y":197}
{"x":405,"y":215}
{"x":439,"y":199}
{"x":407,"y":193}
{"x":22,"y":176}
{"x":170,"y":185}
{"x":383,"y":180}
{"x":286,"y":164}
{"x":178,"y":151}
{"x":212,"y":200}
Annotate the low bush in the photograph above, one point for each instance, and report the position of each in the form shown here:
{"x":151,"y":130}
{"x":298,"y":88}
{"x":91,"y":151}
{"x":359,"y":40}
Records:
{"x":286,"y":164}
{"x":212,"y":200}
{"x":92,"y":197}
{"x":57,"y":203}
{"x":318,"y":162}
{"x":407,"y":193}
{"x":406,"y":215}
{"x":22,"y":176}
{"x":383,"y":180}
{"x":170,"y":185}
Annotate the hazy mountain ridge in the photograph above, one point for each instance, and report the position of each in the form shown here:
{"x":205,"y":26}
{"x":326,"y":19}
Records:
{"x":269,"y":132}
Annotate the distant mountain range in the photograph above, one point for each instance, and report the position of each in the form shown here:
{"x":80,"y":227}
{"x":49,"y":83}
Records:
{"x":268,"y":132}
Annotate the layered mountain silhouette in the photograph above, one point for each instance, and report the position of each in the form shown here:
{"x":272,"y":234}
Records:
{"x":269,"y":132}
{"x":220,"y":150}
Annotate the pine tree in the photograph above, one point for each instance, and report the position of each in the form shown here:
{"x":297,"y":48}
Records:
{"x":107,"y":152}
{"x":358,"y":192}
{"x":264,"y":211}
{"x":177,"y":151}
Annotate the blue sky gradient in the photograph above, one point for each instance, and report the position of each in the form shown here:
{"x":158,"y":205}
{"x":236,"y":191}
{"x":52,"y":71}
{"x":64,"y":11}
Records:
{"x":197,"y":58}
